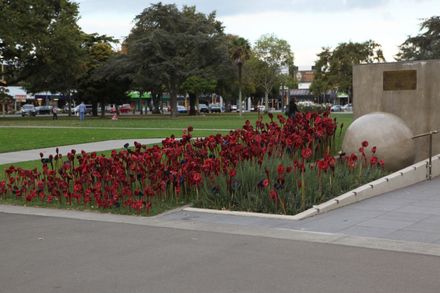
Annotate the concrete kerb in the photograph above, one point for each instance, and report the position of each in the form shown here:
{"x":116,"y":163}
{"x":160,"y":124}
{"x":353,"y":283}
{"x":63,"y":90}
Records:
{"x":405,"y":177}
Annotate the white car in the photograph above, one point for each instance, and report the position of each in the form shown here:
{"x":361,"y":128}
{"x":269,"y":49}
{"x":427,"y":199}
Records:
{"x":347,"y":108}
{"x":75,"y":110}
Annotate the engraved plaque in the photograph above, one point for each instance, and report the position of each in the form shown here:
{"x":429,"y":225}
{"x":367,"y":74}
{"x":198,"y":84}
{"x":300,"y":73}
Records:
{"x":399,"y":80}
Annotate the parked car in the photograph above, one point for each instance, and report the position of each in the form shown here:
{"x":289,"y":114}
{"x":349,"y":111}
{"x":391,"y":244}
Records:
{"x":28,"y":110}
{"x":125,"y":108}
{"x":75,"y":110}
{"x":43,"y":110}
{"x":347,"y":108}
{"x":203,"y":108}
{"x":215,"y":108}
{"x":181,"y":109}
{"x":261,"y":108}
{"x":336,"y":108}
{"x":234,"y":108}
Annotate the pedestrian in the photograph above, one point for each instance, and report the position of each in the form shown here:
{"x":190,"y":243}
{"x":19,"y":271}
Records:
{"x":292,"y":109}
{"x":54,"y":113}
{"x":82,"y":111}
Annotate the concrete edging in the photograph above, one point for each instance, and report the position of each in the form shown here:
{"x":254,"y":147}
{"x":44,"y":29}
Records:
{"x":405,"y":177}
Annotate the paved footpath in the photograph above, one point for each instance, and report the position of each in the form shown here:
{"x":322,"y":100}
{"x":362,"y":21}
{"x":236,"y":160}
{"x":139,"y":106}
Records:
{"x":30,"y":155}
{"x":389,"y":243}
{"x":56,"y":254}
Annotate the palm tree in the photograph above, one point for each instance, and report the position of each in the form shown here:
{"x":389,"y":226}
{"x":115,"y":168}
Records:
{"x":240,"y":52}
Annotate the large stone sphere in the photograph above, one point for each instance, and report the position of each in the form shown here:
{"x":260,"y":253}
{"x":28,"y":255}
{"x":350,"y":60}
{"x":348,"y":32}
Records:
{"x":388,"y":133}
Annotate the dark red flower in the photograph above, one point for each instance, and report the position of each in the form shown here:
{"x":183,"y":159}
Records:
{"x":365,"y":143}
{"x":306,"y":153}
{"x":280,"y":170}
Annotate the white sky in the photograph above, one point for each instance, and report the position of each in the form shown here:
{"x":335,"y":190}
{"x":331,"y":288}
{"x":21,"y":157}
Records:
{"x":308,"y":25}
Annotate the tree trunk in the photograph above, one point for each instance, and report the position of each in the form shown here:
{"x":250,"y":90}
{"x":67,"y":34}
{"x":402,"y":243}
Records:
{"x":95,"y":109}
{"x":102,"y":110}
{"x":192,"y":105}
{"x":266,"y":101}
{"x":69,"y":98}
{"x":173,"y":99}
{"x":239,"y":88}
{"x":156,"y":102}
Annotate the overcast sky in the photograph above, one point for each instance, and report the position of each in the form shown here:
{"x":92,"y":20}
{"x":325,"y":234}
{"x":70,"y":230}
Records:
{"x":308,"y":25}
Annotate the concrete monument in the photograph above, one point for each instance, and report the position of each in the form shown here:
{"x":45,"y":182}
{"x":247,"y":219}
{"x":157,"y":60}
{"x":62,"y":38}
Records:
{"x":388,"y":133}
{"x":409,"y":90}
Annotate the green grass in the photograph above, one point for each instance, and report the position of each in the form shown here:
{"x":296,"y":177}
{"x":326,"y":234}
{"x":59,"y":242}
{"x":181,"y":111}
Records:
{"x":97,"y":129}
{"x":210,"y":121}
{"x":16,"y":139}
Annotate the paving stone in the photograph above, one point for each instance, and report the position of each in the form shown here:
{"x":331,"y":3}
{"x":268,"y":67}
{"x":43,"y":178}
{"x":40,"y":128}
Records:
{"x":417,"y":236}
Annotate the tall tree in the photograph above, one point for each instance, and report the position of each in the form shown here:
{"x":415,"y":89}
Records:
{"x":172,"y":45}
{"x":334,"y":69}
{"x":240,"y":51}
{"x":274,"y":54}
{"x":195,"y":86}
{"x":424,"y":46}
{"x":37,"y":34}
{"x":94,"y":86}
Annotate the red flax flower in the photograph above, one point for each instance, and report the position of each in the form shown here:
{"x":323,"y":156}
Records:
{"x":306,"y":153}
{"x":365,"y":143}
{"x":280,"y":170}
{"x":273,"y":195}
{"x":196,"y":178}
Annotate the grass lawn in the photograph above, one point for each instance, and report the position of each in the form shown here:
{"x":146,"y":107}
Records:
{"x":129,"y":127}
{"x":13,"y":139}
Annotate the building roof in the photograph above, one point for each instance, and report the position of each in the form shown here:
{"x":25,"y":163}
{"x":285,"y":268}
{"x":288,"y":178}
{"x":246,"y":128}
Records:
{"x":18,"y":91}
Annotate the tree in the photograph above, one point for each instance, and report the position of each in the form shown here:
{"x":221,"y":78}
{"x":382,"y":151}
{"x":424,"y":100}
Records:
{"x":424,"y":46}
{"x":240,"y":51}
{"x":273,"y":54}
{"x":172,"y":45}
{"x":41,"y":44}
{"x":93,"y":85}
{"x":195,"y":86}
{"x":34,"y":34}
{"x":334,"y":69}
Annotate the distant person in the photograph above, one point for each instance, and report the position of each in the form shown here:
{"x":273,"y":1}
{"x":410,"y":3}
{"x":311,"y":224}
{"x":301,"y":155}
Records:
{"x":82,"y":111}
{"x":54,"y":113}
{"x":292,"y":109}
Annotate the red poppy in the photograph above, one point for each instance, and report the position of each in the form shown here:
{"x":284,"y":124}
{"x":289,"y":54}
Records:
{"x":365,"y":143}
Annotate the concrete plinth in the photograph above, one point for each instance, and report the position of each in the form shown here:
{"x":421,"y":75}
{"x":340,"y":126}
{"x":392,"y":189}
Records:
{"x":410,"y":90}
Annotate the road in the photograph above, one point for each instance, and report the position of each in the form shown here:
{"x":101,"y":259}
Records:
{"x":55,"y":254}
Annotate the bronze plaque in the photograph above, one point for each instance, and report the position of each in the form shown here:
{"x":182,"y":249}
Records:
{"x":399,"y":80}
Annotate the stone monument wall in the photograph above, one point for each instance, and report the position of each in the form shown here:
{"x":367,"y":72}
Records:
{"x":410,"y":90}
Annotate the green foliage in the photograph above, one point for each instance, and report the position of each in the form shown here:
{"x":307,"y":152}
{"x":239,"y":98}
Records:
{"x":424,"y":46}
{"x":334,"y":68}
{"x":41,"y":43}
{"x":271,"y":55}
{"x":296,"y":191}
{"x":172,"y":45}
{"x":95,"y":85}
